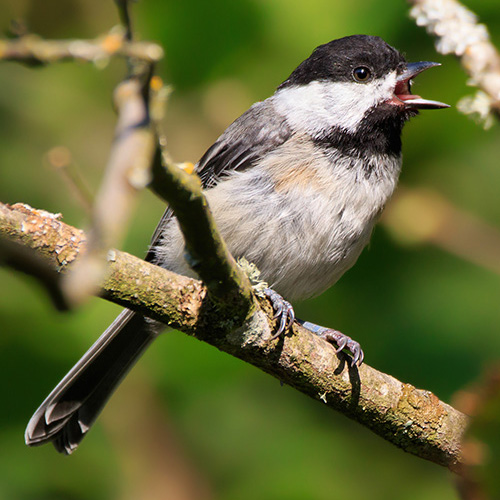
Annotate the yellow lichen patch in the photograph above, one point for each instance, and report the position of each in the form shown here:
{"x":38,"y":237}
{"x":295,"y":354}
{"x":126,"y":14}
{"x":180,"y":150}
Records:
{"x":187,"y":166}
{"x":424,"y":406}
{"x":112,"y":43}
{"x":156,"y":83}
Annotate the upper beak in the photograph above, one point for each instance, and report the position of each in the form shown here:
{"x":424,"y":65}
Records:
{"x":403,"y":93}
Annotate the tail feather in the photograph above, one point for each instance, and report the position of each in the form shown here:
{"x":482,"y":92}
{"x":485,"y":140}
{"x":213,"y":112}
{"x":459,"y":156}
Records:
{"x":72,"y":407}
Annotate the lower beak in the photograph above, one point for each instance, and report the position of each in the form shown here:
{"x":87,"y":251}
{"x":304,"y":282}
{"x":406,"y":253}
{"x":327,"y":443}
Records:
{"x":403,"y":93}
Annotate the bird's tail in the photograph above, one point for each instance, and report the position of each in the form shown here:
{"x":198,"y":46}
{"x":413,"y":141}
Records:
{"x":72,"y":407}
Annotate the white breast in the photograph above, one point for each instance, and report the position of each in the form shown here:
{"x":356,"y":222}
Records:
{"x":303,"y":224}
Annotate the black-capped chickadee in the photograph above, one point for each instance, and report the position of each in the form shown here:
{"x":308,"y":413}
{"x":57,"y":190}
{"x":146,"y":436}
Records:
{"x":295,"y":185}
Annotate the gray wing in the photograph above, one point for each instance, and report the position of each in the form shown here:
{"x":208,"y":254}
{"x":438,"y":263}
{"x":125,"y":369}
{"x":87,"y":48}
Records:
{"x":255,"y":133}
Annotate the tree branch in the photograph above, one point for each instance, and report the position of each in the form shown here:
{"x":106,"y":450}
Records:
{"x":206,"y":250}
{"x":412,"y":419}
{"x":33,"y":50}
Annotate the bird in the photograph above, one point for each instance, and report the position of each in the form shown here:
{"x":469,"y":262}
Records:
{"x":295,"y":184}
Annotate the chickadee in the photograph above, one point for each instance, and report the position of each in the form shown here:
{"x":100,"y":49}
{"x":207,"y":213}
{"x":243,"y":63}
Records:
{"x":295,"y":184}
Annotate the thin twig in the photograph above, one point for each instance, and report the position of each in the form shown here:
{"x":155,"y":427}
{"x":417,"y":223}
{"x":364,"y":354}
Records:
{"x":206,"y":250}
{"x":412,"y":419}
{"x":123,"y":10}
{"x":32,"y":49}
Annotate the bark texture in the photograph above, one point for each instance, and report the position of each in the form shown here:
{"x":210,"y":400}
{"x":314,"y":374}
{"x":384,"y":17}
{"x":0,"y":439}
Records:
{"x":410,"y":418}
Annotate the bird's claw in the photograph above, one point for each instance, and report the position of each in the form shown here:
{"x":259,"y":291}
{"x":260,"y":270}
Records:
{"x":282,"y":310}
{"x":342,"y":342}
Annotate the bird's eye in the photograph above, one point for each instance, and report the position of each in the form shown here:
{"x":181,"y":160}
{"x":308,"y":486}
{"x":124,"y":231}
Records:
{"x":362,"y":74}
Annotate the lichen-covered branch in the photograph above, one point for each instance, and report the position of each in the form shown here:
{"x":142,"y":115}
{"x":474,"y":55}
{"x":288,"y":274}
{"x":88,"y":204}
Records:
{"x":458,"y":32}
{"x":412,"y":419}
{"x":34,"y":50}
{"x":205,"y":248}
{"x":207,"y":252}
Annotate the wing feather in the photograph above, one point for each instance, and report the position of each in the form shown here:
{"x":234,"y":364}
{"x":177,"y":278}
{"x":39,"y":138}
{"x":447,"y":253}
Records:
{"x":255,"y":133}
{"x":251,"y":136}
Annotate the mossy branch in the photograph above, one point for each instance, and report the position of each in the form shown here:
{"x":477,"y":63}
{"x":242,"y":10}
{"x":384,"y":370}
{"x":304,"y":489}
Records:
{"x":207,"y":252}
{"x":412,"y":419}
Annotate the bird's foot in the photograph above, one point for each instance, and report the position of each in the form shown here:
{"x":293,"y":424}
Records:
{"x":282,"y":310}
{"x":340,"y":340}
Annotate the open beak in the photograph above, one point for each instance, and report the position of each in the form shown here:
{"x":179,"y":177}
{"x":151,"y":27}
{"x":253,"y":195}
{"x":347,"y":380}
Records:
{"x":402,"y":92}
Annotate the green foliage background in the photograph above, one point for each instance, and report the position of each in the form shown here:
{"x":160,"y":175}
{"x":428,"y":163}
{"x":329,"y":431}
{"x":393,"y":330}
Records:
{"x":421,"y":314}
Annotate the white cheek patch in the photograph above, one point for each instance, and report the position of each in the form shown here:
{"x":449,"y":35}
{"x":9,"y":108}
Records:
{"x":319,"y":106}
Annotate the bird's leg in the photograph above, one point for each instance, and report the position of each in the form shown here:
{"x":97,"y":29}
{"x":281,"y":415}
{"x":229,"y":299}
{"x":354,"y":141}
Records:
{"x":282,"y":310}
{"x":339,"y":339}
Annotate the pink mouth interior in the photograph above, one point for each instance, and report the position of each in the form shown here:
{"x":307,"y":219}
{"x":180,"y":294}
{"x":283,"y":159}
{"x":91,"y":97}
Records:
{"x":403,"y":92}
{"x":407,"y":97}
